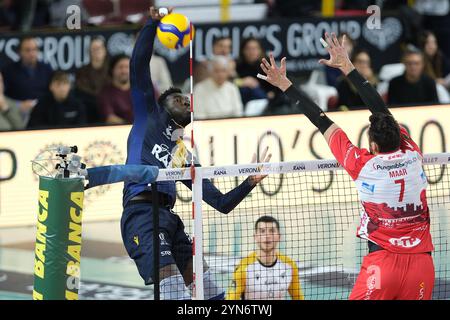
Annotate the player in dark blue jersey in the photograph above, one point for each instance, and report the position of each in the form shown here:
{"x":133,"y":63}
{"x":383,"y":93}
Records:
{"x":156,"y":139}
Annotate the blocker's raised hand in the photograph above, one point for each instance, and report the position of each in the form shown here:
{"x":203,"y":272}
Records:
{"x":338,"y":54}
{"x":254,"y":180}
{"x":276,"y":76}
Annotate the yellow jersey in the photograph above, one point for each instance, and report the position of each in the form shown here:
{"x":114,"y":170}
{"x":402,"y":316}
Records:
{"x":254,"y":281}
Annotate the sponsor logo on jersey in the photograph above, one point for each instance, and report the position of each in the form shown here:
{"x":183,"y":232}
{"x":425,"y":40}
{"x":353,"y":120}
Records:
{"x":395,"y":156}
{"x":405,"y":242}
{"x":168,"y":132}
{"x":423,"y":176}
{"x":136,"y":240}
{"x":367,"y":188}
{"x":162,"y":239}
{"x":166,"y":253}
{"x":399,"y":165}
{"x":162,"y":153}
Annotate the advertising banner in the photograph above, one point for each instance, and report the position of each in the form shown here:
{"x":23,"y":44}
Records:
{"x":218,"y":143}
{"x":297,"y":40}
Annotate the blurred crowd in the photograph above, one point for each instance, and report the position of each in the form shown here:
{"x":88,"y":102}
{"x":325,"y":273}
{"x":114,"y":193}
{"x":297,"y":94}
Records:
{"x":32,"y":95}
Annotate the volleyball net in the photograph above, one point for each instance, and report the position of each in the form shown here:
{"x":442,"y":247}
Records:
{"x":316,"y":204}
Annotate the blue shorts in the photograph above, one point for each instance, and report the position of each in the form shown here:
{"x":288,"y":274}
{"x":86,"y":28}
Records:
{"x":137,"y":234}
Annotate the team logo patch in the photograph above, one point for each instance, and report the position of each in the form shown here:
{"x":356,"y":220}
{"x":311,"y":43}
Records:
{"x":405,"y":242}
{"x":367,"y":188}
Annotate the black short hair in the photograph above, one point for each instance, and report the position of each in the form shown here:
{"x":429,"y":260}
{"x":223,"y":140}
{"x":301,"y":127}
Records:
{"x":384,"y":131}
{"x":115,"y":60}
{"x":60,"y":76}
{"x":410,"y":50}
{"x":163,"y":97}
{"x":218,"y":39}
{"x":267,"y":219}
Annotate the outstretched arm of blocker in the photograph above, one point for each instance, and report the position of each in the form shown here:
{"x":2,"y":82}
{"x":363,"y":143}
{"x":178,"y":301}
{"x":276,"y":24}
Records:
{"x":276,"y":76}
{"x":339,"y":59}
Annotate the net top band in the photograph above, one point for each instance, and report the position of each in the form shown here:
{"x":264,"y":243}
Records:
{"x":244,"y":170}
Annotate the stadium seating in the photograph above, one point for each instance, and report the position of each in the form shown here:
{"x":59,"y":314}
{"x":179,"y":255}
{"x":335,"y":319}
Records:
{"x":318,"y":90}
{"x":204,"y":11}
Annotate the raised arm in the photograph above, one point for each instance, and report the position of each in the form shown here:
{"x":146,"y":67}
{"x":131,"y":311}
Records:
{"x":140,"y":79}
{"x":339,"y":59}
{"x":225,"y":203}
{"x":276,"y":76}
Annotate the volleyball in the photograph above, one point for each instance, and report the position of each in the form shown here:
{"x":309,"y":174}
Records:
{"x":173,"y":31}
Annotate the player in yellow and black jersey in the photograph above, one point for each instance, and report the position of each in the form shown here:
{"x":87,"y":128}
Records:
{"x":266,"y":274}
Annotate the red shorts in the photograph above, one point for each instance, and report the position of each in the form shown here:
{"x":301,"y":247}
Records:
{"x":393,"y":276}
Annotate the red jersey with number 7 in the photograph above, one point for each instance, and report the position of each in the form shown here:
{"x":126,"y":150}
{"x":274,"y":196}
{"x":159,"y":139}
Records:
{"x":392,"y":191}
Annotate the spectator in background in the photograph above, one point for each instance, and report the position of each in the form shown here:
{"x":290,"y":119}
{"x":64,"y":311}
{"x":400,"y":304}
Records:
{"x":247,"y":67}
{"x":437,"y":65}
{"x":114,"y":100}
{"x":160,"y":73}
{"x":91,"y":78}
{"x":413,"y":87}
{"x":222,"y":46}
{"x":217,"y":97}
{"x":348,"y":95}
{"x":27,"y":79}
{"x":332,"y":74}
{"x":201,"y":72}
{"x":10,"y":117}
{"x":58,"y":108}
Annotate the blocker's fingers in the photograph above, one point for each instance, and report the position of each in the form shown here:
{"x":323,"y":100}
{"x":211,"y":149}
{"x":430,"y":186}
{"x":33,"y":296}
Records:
{"x":283,"y":63}
{"x":268,"y":158}
{"x":263,"y":156}
{"x":335,"y":40}
{"x":343,"y":41}
{"x":272,"y":60}
{"x":264,"y":68}
{"x":254,"y":158}
{"x":328,"y":40}
{"x":266,"y":63}
{"x":324,"y":43}
{"x":325,"y":62}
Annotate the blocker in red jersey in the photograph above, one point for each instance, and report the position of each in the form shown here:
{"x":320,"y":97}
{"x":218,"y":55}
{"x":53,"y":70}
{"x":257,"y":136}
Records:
{"x":391,"y":184}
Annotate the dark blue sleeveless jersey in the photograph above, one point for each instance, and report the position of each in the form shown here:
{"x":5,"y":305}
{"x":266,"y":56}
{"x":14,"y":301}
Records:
{"x":149,"y":141}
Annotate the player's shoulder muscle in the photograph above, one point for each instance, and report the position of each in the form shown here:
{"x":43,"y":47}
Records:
{"x":349,"y":156}
{"x":406,"y":142}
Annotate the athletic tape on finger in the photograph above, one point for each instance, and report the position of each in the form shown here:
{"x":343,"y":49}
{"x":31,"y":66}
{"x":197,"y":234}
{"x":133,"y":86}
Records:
{"x":260,"y":76}
{"x":324,"y":43}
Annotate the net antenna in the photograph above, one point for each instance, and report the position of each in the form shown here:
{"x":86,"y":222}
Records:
{"x":59,"y":162}
{"x":197,"y":239}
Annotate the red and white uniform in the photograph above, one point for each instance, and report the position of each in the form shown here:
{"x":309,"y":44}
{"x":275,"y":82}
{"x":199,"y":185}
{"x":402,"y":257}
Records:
{"x":395,"y":215}
{"x":391,"y":189}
